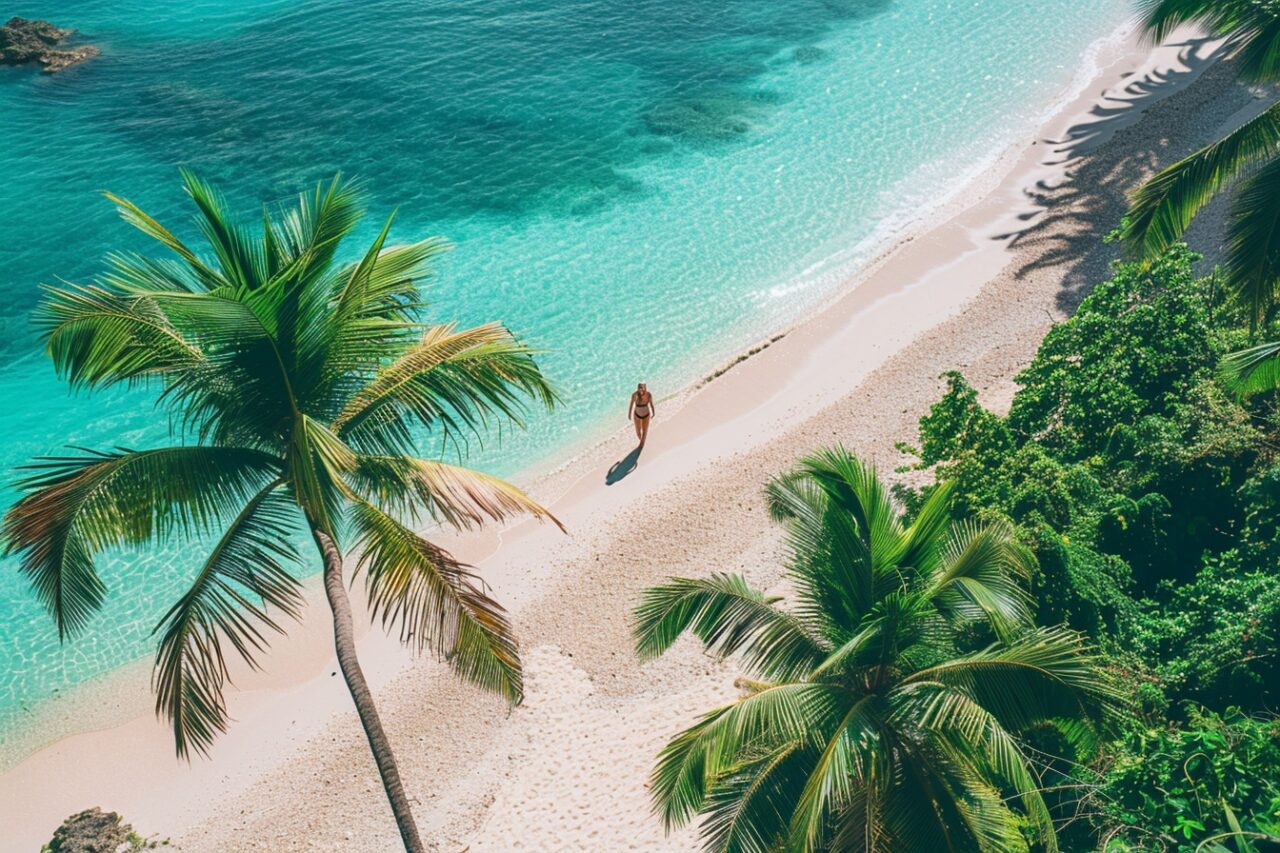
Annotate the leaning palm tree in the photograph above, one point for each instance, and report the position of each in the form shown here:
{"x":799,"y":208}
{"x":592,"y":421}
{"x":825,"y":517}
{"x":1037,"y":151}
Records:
{"x":868,"y":726}
{"x":299,"y":389}
{"x":1248,"y":158}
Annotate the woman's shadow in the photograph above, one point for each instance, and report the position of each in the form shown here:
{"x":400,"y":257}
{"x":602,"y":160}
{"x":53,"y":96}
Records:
{"x":623,"y":467}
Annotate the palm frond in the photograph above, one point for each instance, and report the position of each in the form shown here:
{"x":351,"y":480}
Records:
{"x":245,"y":576}
{"x":1253,"y":244}
{"x":1251,"y":29}
{"x":894,"y":624}
{"x":1043,"y":675}
{"x":241,"y":259}
{"x":830,"y":560}
{"x":973,"y":734}
{"x":139,"y":219}
{"x":729,"y":617}
{"x":386,"y":282}
{"x":1163,"y":207}
{"x":1252,"y":370}
{"x":694,"y":761}
{"x":75,"y":506}
{"x":137,"y":275}
{"x":436,"y":602}
{"x":312,"y":229}
{"x":925,"y":539}
{"x":983,"y":572}
{"x":893,"y":739}
{"x":860,"y":827}
{"x":373,"y":318}
{"x":749,"y":805}
{"x":454,"y":379}
{"x":430,"y":489}
{"x":97,"y":338}
{"x":318,"y":462}
{"x":856,"y":488}
{"x":856,"y":758}
{"x":942,"y":803}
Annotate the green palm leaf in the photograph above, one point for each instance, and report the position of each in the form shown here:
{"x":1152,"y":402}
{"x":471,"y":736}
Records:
{"x":1043,"y":675}
{"x":1252,"y":370}
{"x":453,"y":379}
{"x":1251,"y":29}
{"x":245,"y":576}
{"x":692,"y":764}
{"x":729,"y":617}
{"x":855,"y":760}
{"x":747,"y":806}
{"x":76,"y":506}
{"x":1164,"y":207}
{"x":959,"y":722}
{"x":96,"y":337}
{"x":856,"y":489}
{"x":139,"y":219}
{"x":982,"y":573}
{"x":241,"y":260}
{"x":1253,"y":245}
{"x":830,"y":560}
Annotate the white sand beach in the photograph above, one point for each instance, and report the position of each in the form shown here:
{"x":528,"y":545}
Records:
{"x":974,"y":288}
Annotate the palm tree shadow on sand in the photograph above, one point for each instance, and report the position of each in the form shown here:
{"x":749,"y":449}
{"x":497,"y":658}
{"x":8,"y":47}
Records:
{"x":623,"y":467}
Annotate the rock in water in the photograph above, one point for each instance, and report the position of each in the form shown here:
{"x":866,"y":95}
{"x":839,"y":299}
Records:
{"x":91,"y":831}
{"x":24,"y":41}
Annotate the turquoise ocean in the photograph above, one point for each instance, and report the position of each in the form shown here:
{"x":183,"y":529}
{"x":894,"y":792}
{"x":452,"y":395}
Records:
{"x":642,"y":187}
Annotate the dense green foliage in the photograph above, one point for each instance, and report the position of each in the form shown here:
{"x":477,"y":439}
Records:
{"x":889,"y":695}
{"x":1150,"y":495}
{"x":1178,"y":787}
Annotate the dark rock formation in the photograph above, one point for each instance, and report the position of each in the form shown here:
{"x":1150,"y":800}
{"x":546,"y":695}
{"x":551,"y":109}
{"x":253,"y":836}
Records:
{"x":23,"y":41}
{"x":92,"y":831}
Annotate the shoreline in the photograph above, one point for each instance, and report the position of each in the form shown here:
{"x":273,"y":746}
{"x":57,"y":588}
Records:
{"x":114,"y":696}
{"x":860,"y":324}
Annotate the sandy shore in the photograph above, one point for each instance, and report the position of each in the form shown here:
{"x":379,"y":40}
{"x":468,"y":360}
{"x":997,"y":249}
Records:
{"x":976,"y":290}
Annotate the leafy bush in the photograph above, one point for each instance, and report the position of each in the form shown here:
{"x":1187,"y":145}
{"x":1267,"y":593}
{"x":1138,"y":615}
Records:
{"x":1177,"y":788}
{"x":1130,"y":351}
{"x":1215,"y":639}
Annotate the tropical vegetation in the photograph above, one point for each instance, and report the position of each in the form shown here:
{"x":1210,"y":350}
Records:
{"x":299,"y":391}
{"x":1129,"y":500}
{"x":1149,"y":493}
{"x":889,"y":689}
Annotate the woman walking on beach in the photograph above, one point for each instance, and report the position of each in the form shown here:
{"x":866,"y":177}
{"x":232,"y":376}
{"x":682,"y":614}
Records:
{"x":641,"y":411}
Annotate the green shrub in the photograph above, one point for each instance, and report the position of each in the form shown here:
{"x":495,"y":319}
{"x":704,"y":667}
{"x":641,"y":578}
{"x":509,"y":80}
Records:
{"x":1176,"y":788}
{"x":1213,"y":640}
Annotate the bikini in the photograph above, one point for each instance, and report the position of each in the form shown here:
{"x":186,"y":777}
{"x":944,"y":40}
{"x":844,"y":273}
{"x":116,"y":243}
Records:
{"x":644,"y":406}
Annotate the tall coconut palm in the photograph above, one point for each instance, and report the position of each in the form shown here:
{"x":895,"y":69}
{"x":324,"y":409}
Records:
{"x":869,"y":726}
{"x":298,"y":389}
{"x":1248,"y":158}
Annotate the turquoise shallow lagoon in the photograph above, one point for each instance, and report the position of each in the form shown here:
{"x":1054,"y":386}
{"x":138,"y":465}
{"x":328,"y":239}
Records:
{"x":639,"y":186}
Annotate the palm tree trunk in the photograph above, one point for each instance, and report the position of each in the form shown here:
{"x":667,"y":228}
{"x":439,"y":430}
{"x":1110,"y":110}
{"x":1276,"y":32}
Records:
{"x":344,"y":641}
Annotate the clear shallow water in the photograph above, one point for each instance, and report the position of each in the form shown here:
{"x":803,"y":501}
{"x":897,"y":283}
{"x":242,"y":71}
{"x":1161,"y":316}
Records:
{"x":639,"y":186}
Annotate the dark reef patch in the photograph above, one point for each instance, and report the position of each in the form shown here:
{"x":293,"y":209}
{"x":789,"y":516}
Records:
{"x":808,"y":54}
